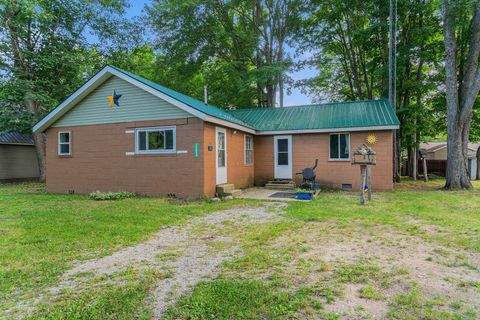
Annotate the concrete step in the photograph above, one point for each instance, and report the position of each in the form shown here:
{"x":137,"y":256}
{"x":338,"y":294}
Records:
{"x":225,"y":188}
{"x":234,"y":193}
{"x":278,"y":186}
{"x":281,"y":181}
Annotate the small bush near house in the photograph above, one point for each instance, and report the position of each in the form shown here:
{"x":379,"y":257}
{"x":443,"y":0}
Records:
{"x":100,"y":196}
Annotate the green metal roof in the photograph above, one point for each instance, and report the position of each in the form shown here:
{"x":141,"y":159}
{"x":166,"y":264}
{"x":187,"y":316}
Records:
{"x":360,"y":114}
{"x":194,"y":103}
{"x":372,"y":113}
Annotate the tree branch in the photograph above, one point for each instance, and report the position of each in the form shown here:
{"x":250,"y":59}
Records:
{"x":472,"y":59}
{"x":450,"y":61}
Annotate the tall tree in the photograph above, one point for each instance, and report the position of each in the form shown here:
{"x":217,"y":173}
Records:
{"x":242,"y":40}
{"x":349,"y":40}
{"x":44,"y":55}
{"x":462,"y":82}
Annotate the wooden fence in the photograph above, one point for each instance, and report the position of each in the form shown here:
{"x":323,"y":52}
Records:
{"x":438,"y":167}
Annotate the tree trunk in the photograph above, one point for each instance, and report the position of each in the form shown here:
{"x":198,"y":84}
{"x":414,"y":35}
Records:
{"x":478,"y":163}
{"x":38,"y":138}
{"x":415,"y":157}
{"x":40,"y":150}
{"x":280,"y":77}
{"x":459,"y":107}
{"x":457,"y":175}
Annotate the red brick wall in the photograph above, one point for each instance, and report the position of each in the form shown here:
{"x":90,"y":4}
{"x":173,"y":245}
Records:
{"x":264,"y":171}
{"x":308,"y":147}
{"x":209,"y":163}
{"x":238,"y":173}
{"x":99,"y":162}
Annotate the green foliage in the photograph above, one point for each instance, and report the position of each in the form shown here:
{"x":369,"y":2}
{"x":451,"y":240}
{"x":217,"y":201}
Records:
{"x":99,"y":196}
{"x":46,"y":55}
{"x":349,"y":44}
{"x":237,"y":48}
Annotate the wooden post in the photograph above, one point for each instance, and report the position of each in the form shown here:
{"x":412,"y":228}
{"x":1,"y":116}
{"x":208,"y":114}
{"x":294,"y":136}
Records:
{"x":415,"y":163}
{"x":363,"y":177}
{"x":365,"y":157}
{"x":425,"y":173}
{"x":369,"y":182}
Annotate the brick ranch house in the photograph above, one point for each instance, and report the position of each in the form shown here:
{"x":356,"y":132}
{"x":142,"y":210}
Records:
{"x":156,"y":141}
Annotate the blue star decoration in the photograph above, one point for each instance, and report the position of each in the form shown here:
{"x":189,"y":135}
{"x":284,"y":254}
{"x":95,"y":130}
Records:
{"x":114,"y":99}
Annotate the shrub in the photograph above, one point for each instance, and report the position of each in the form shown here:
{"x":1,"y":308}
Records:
{"x":100,"y":196}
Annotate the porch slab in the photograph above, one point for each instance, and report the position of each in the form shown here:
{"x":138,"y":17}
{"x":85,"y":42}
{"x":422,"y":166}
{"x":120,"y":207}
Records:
{"x":269,"y":194}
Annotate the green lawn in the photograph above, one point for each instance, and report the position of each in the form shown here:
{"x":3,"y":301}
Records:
{"x":41,"y":234}
{"x":322,"y":257}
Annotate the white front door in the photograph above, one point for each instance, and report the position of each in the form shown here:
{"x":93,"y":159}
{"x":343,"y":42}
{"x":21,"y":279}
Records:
{"x":283,"y":157}
{"x":221,"y":148}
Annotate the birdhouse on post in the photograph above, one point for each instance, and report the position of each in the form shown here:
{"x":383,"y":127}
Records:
{"x":423,"y":155}
{"x":365,"y":157}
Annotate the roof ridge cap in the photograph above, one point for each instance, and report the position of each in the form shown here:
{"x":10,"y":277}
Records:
{"x":309,"y":105}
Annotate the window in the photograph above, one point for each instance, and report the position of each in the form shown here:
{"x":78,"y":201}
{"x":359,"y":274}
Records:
{"x":221,"y":149}
{"x":340,"y":146}
{"x":248,"y":149}
{"x":64,"y":148}
{"x":155,"y":140}
{"x":282,"y":152}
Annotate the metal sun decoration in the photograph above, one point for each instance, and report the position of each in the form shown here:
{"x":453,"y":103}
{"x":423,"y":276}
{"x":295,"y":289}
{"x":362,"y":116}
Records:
{"x":372,"y":139}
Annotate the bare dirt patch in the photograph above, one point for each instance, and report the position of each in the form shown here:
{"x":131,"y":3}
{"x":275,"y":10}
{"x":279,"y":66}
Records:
{"x":340,"y":256}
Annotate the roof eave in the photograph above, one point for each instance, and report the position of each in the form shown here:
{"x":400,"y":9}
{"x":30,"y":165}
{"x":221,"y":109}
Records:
{"x":16,"y":144}
{"x":229,"y":124}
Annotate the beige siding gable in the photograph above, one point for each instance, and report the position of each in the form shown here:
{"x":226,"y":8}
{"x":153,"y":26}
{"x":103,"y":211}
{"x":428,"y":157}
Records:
{"x":135,"y":105}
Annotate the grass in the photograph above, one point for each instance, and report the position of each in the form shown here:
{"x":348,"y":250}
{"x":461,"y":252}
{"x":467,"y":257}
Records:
{"x":414,"y":305}
{"x":42,"y":234}
{"x":280,"y":274}
{"x":231,"y":299}
{"x":126,"y":301}
{"x":457,"y":213}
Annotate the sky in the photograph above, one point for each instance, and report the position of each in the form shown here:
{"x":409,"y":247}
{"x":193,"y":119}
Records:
{"x":296,"y":98}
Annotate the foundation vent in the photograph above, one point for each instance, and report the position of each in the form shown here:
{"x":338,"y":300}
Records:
{"x":347,"y":186}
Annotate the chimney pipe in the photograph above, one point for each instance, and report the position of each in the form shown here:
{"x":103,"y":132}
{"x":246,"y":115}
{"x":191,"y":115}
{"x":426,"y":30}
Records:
{"x":205,"y":94}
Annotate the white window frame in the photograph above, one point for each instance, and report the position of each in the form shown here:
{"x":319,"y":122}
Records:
{"x":329,"y":146}
{"x":245,"y":149}
{"x":60,"y":153}
{"x":153,"y":129}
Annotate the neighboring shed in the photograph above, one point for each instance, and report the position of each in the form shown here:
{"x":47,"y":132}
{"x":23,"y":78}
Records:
{"x":437,"y":157}
{"x":18,"y":159}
